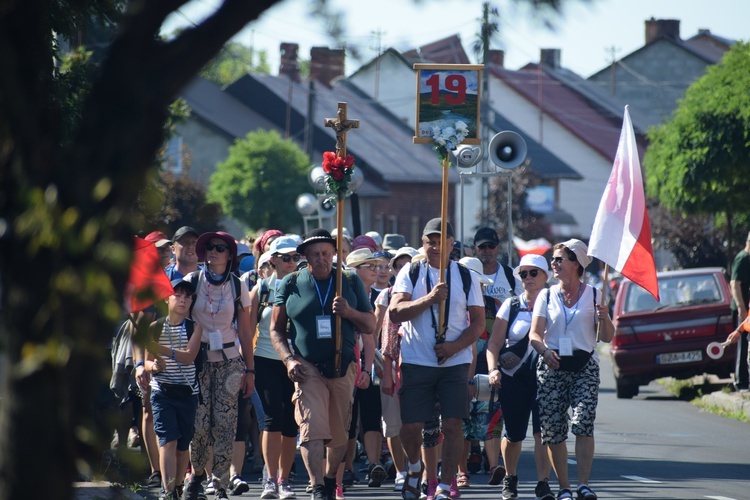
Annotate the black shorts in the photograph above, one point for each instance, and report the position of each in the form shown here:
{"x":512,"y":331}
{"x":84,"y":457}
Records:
{"x":275,"y":390}
{"x":422,"y":384}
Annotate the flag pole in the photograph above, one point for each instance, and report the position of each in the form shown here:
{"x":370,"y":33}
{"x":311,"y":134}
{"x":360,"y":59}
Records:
{"x":603,"y":299}
{"x":443,"y":247}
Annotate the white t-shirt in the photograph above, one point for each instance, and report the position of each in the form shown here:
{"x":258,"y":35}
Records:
{"x":500,"y":288}
{"x":577,"y":323}
{"x":418,"y":343}
{"x":518,"y":330}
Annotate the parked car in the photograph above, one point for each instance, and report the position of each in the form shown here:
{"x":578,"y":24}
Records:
{"x":669,"y":338}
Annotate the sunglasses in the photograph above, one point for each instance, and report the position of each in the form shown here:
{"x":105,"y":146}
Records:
{"x":373,"y":267}
{"x":558,"y":260}
{"x":219,"y":247}
{"x":288,"y":258}
{"x":533,"y":273}
{"x":485,"y":246}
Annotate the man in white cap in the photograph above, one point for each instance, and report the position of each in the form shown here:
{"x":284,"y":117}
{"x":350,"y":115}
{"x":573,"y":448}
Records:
{"x":435,"y":358}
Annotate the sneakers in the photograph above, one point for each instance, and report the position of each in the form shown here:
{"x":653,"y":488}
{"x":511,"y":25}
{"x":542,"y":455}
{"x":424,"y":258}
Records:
{"x":349,"y":478}
{"x":210,"y":486}
{"x":454,"y":491}
{"x":237,"y":486}
{"x":565,"y":494}
{"x":285,"y":489}
{"x":376,"y":475}
{"x":497,"y":473}
{"x":585,"y":493}
{"x":340,"y":492}
{"x":270,"y":489}
{"x":221,"y":494}
{"x":543,"y":491}
{"x":194,"y":489}
{"x":154,"y":480}
{"x":399,"y":481}
{"x":318,"y":492}
{"x":510,"y":487}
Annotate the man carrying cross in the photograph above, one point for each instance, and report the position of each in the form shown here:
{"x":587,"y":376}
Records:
{"x":435,"y":359}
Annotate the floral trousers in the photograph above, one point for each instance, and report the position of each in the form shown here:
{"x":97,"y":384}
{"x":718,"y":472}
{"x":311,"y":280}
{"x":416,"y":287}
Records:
{"x":216,"y":418}
{"x":557,"y":391}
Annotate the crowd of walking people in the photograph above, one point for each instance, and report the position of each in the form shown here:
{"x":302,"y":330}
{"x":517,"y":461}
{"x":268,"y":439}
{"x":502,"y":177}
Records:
{"x":432,"y":368}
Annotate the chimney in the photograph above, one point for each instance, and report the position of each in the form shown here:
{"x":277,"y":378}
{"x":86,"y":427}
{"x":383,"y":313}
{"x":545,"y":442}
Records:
{"x":326,"y":64}
{"x":550,"y":58}
{"x":497,"y":57}
{"x":289,"y":65}
{"x":658,"y":28}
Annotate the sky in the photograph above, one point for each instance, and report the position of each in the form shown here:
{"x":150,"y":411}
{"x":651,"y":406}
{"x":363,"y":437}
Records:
{"x":588,"y":32}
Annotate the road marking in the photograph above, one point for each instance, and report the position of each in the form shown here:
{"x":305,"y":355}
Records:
{"x":572,"y":461}
{"x":642,"y":479}
{"x":721,"y":498}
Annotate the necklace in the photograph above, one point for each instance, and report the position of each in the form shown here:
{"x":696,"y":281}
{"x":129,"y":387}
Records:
{"x":568,"y":297}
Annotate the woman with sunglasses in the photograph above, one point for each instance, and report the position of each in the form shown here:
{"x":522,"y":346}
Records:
{"x":513,"y":371}
{"x":274,"y":386}
{"x":224,"y":371}
{"x":564,"y":333}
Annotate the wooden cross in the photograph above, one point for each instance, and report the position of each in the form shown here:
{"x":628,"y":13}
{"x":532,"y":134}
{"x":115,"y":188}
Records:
{"x":341,"y":125}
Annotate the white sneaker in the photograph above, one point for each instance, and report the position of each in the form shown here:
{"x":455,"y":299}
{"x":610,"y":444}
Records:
{"x":285,"y":489}
{"x":270,"y":489}
{"x":400,"y":478}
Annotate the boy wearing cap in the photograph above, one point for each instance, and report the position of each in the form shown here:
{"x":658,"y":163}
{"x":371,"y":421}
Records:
{"x":174,"y":386}
{"x":435,"y":358}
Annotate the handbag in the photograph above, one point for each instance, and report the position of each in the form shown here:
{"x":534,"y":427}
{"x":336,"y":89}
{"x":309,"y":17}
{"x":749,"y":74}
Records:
{"x":511,"y":356}
{"x":176,"y":391}
{"x":576,"y":362}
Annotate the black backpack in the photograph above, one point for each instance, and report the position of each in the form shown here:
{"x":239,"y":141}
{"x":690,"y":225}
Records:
{"x":463,"y":271}
{"x":122,"y":359}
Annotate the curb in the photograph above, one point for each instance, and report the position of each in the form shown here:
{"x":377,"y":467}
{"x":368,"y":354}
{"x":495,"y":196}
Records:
{"x":731,"y":402}
{"x":101,"y":490}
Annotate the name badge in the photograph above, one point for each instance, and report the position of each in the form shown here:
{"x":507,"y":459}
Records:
{"x":324,"y":329}
{"x":566,"y":347}
{"x":214,"y":341}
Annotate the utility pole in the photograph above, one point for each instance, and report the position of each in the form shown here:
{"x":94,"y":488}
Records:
{"x":485,"y":110}
{"x":378,"y":47}
{"x":612,"y":66}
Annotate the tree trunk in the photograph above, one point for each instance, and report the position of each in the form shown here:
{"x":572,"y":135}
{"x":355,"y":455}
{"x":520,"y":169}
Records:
{"x":66,"y":230}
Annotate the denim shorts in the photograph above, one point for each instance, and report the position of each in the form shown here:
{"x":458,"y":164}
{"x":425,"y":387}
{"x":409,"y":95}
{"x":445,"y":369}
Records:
{"x":174,"y":419}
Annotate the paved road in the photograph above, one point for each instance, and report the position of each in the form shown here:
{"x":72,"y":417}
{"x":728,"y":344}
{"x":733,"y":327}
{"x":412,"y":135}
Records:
{"x":653,"y":446}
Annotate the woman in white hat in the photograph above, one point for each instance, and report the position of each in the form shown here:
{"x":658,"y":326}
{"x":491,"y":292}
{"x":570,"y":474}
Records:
{"x":564,"y":333}
{"x":512,"y":361}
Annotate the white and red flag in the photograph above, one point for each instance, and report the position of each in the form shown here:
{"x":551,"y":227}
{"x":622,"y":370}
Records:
{"x":621,"y":237}
{"x":537,"y":246}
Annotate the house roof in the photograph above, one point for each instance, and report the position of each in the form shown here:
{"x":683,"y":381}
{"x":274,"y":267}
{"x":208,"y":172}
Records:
{"x":219,"y":109}
{"x":445,"y":51}
{"x":382,"y":146}
{"x":388,"y":52}
{"x":594,"y":125}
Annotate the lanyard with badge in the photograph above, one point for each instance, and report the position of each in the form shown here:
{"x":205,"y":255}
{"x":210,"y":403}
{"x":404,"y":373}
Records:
{"x":323,"y":321}
{"x":439,"y":333}
{"x":566,"y":343}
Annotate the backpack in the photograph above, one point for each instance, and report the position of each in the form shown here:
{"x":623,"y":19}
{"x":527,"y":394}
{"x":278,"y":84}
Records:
{"x":463,"y":271}
{"x":194,"y":279}
{"x":520,"y":347}
{"x":156,"y":328}
{"x":122,"y":359}
{"x":263,"y":295}
{"x":510,"y":277}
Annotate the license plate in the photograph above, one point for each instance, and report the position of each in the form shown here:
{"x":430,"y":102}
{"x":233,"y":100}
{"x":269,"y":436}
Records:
{"x":679,"y":357}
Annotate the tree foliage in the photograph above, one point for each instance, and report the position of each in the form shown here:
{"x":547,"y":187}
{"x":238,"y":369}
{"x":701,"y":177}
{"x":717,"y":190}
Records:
{"x":233,"y":62}
{"x":697,"y":163}
{"x":260,"y":180}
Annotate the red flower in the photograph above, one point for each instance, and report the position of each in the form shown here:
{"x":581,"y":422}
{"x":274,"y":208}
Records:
{"x":337,"y":174}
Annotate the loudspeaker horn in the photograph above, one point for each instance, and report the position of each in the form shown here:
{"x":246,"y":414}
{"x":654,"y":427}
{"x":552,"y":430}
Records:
{"x":507,"y":149}
{"x":467,"y":156}
{"x":326,"y":208}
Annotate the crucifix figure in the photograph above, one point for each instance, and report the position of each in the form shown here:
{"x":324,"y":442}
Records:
{"x":341,"y":125}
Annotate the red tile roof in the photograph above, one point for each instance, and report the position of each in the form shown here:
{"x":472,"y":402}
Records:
{"x":446,"y":51}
